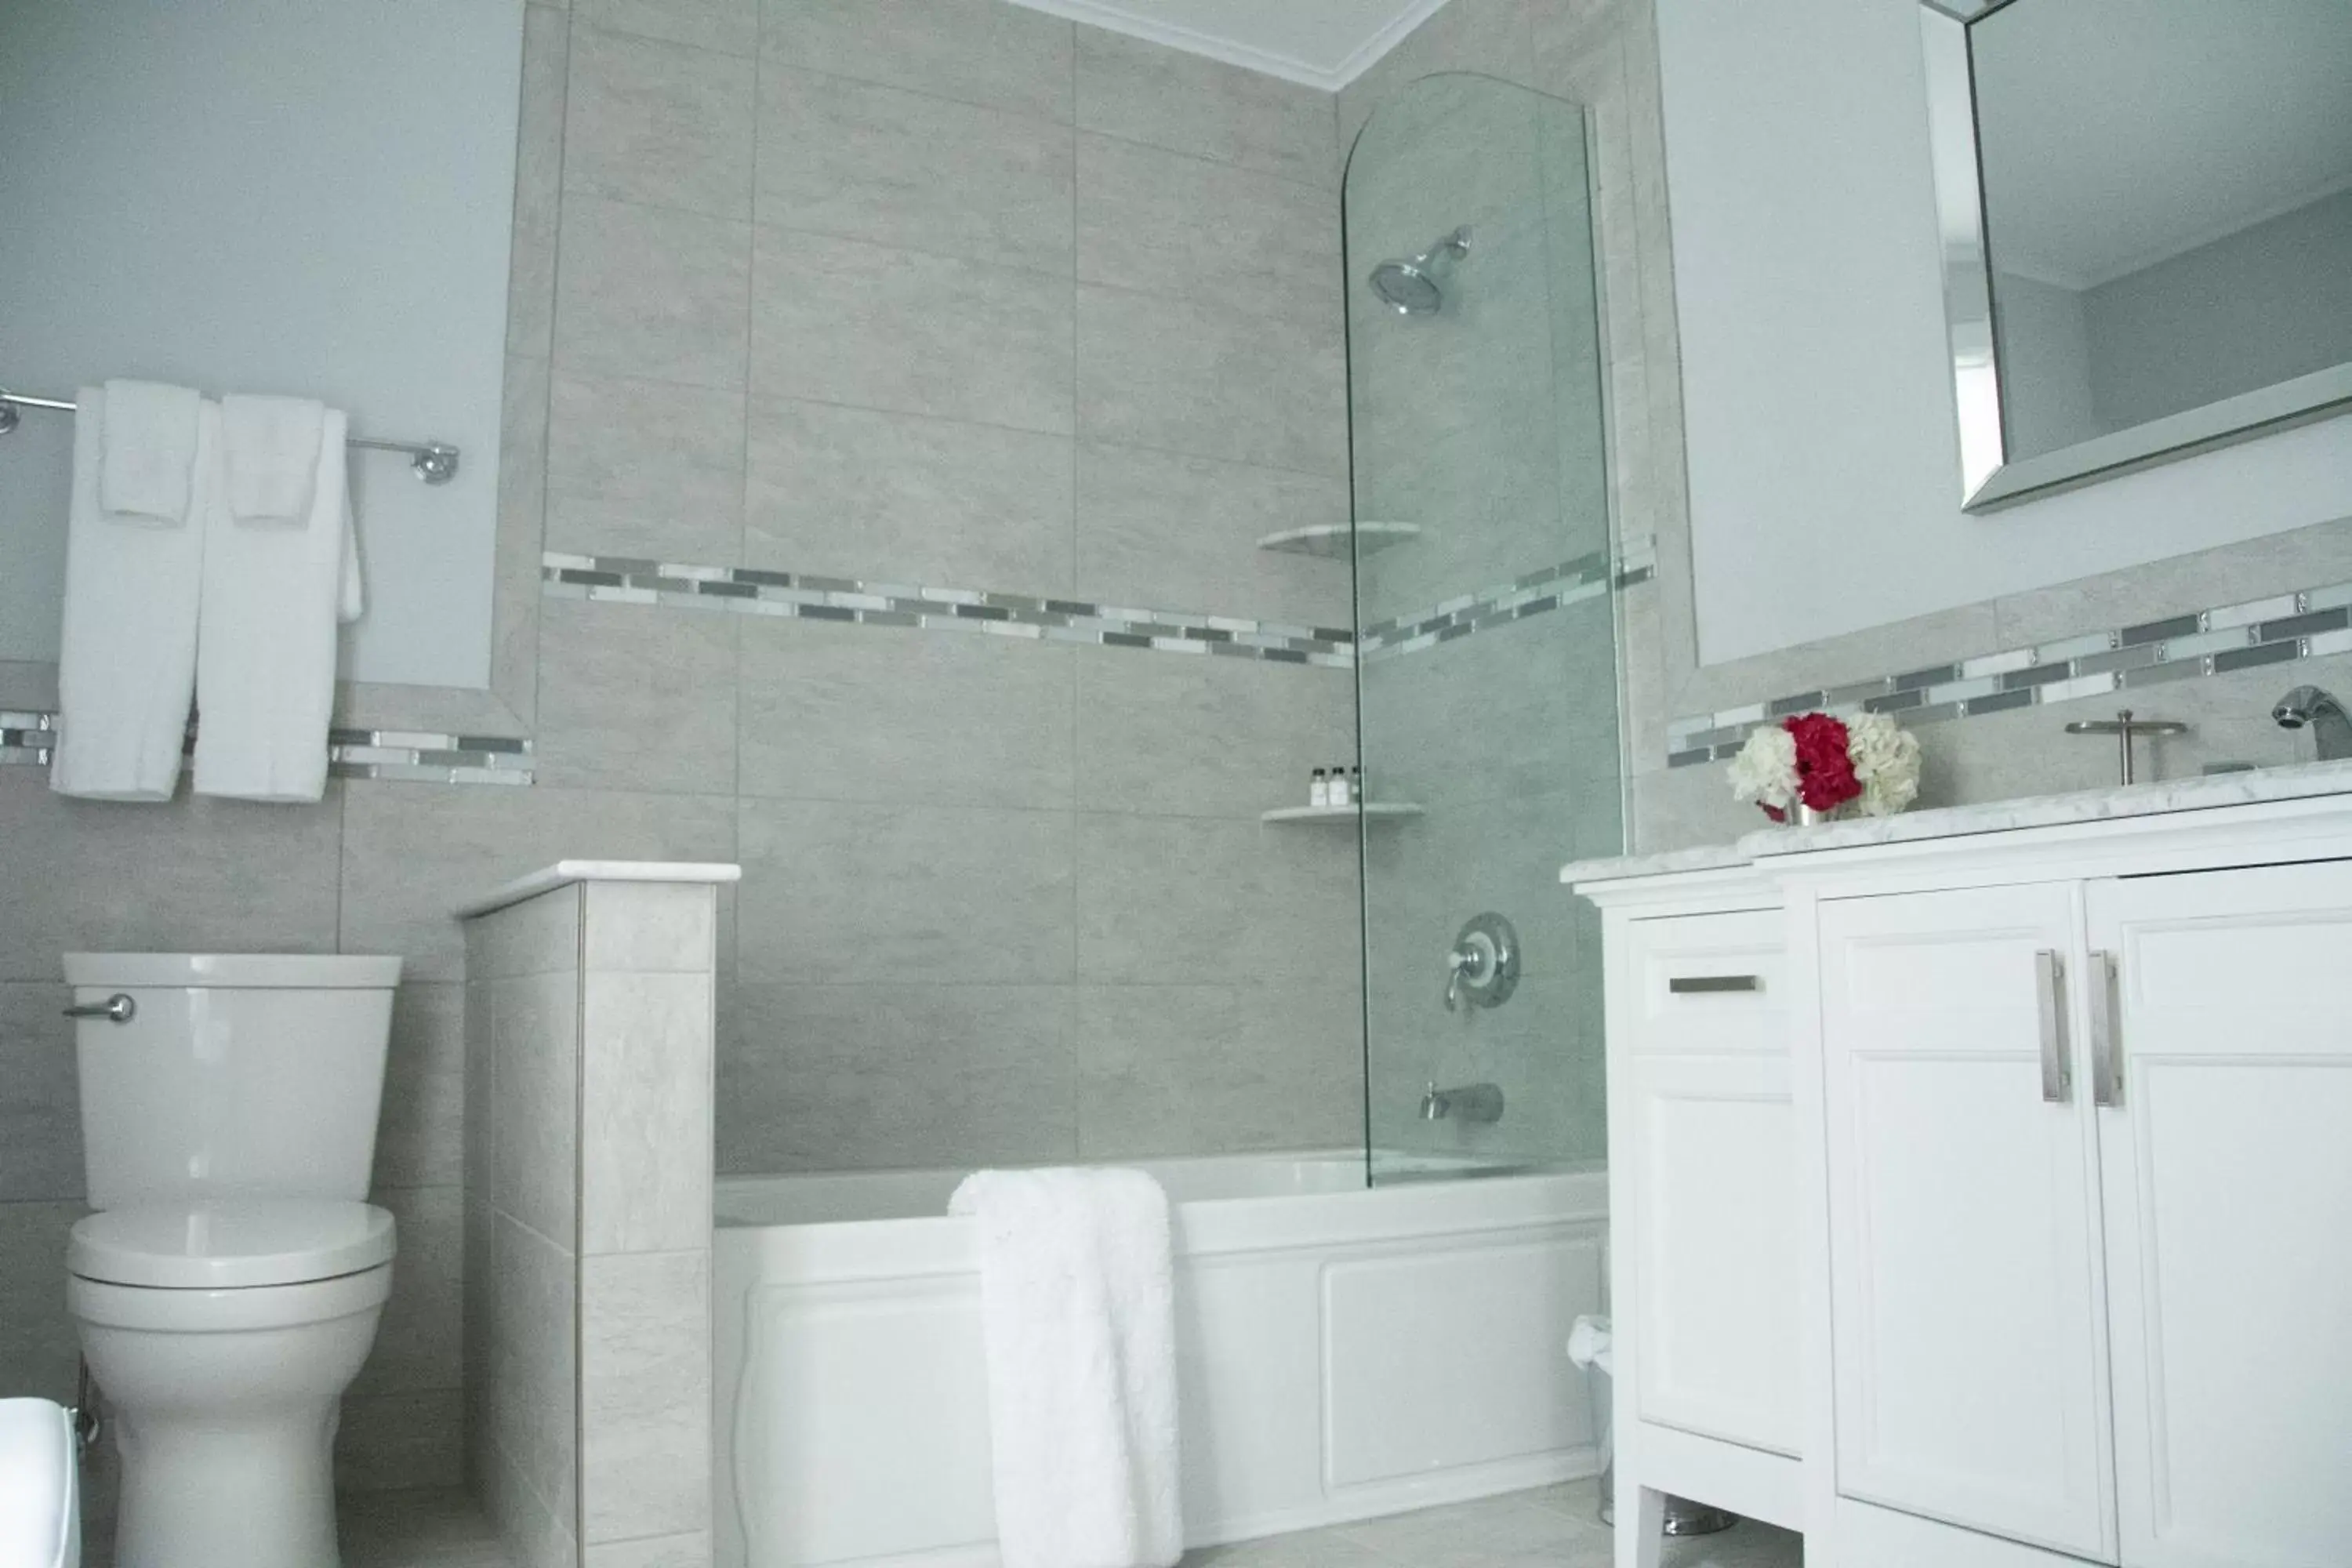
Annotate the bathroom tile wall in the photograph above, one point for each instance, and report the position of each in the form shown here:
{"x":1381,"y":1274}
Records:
{"x":522,"y":1026}
{"x":962,"y":294}
{"x":590,"y":1030}
{"x":945,"y":291}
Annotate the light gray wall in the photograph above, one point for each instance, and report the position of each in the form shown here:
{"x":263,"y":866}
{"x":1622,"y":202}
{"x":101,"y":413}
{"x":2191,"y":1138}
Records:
{"x":2045,"y":365}
{"x":311,"y":199}
{"x":1001,"y":901}
{"x":1823,"y":468}
{"x":2263,"y":305}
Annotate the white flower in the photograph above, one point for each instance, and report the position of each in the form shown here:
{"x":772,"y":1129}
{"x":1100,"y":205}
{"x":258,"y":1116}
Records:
{"x":1765,"y":771}
{"x":1885,"y":760}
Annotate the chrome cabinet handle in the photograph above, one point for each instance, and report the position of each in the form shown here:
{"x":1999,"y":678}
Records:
{"x":1702,"y":984}
{"x":2048,"y":972}
{"x":118,"y":1008}
{"x":2106,"y":1088}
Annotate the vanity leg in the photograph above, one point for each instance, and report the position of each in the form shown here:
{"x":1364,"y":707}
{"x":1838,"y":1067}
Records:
{"x":1641,"y":1525}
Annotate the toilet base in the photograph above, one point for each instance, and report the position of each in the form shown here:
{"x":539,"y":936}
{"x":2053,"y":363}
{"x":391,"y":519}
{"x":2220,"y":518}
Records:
{"x":259,"y":1497}
{"x":224,"y":1405}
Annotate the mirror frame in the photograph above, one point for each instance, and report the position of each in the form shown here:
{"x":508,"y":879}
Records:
{"x":1989,"y":477}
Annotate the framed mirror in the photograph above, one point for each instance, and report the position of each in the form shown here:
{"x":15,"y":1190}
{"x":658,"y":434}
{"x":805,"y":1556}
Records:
{"x":2146,"y":210}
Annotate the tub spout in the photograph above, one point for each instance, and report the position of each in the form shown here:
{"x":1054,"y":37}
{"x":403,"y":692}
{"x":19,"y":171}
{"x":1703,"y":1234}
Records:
{"x":1471,"y":1102}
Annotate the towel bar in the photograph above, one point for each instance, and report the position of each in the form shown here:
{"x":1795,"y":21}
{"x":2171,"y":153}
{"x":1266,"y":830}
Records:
{"x":435,"y":462}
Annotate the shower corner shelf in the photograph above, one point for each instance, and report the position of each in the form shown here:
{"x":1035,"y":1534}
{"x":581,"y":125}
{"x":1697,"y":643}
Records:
{"x":1332,"y":539}
{"x":1374,"y":810}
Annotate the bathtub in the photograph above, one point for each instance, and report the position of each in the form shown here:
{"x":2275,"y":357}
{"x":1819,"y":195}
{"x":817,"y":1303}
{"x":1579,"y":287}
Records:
{"x":1343,"y":1352}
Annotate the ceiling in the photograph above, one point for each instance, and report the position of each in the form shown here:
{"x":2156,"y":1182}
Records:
{"x":1322,"y":43}
{"x":2115,"y":133}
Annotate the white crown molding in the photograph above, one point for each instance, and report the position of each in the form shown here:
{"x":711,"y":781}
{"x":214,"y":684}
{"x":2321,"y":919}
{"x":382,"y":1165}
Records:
{"x":1373,"y":51}
{"x":1327,"y":78}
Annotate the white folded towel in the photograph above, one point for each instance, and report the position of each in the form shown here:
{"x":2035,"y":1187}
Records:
{"x":127,"y":654}
{"x":150,"y":457}
{"x":267,"y":640}
{"x":271,"y":448}
{"x":40,"y":1501}
{"x":1078,"y":1304}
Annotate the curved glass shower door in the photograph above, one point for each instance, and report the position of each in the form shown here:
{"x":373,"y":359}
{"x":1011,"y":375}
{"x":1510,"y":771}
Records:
{"x":1486,"y":680}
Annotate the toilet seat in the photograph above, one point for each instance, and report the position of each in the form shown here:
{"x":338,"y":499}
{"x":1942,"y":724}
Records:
{"x":229,"y":1244}
{"x":93,"y":1303}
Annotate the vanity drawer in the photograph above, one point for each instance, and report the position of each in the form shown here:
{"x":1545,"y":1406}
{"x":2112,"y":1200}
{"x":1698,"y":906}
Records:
{"x":1709,"y":983}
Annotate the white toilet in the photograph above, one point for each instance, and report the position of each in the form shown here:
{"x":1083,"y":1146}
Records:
{"x":230,"y":1290}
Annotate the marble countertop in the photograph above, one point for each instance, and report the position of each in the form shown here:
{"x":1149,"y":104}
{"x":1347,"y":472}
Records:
{"x":549,"y":877}
{"x":1626,"y":867}
{"x":2202,"y":794}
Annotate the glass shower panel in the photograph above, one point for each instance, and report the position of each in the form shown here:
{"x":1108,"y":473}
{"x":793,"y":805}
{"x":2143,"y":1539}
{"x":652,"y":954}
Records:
{"x":1486,"y":681}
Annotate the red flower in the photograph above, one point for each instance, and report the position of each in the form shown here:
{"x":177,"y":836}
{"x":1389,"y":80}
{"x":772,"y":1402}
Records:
{"x":1824,"y":770}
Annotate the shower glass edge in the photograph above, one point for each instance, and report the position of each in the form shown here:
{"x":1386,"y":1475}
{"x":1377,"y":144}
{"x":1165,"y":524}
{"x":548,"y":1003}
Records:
{"x":1487,"y":677}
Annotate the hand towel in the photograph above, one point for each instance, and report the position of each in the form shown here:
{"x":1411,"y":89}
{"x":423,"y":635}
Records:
{"x":1077,"y":1307}
{"x":271,"y":448}
{"x":149,"y":461}
{"x":127,"y":654}
{"x":266,"y":641}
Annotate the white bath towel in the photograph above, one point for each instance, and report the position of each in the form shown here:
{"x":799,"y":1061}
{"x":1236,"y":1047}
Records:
{"x":1079,"y":1309}
{"x":127,"y":654}
{"x":40,"y":1498}
{"x":271,"y":448}
{"x":266,"y":641}
{"x":147,"y":467}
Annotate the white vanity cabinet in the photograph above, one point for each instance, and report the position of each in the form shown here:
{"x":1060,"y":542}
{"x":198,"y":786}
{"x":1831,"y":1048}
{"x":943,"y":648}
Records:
{"x":2089,"y":1210}
{"x":1704,"y":1284}
{"x":1970,"y":1347}
{"x":1986,"y":1201}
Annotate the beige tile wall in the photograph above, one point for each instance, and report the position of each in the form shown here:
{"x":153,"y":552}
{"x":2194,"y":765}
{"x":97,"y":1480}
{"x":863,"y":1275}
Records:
{"x":587,"y":1298}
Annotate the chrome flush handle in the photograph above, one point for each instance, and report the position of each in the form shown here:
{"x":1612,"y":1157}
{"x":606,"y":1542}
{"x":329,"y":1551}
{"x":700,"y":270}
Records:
{"x":118,"y":1008}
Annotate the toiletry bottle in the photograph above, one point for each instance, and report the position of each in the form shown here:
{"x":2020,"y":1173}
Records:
{"x":1340,"y":795}
{"x":1319,"y":789}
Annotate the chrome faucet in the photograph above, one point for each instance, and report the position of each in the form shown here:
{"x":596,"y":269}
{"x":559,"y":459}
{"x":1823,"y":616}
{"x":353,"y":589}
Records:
{"x":1483,"y":967}
{"x":1471,"y":1102}
{"x":2331,"y":727}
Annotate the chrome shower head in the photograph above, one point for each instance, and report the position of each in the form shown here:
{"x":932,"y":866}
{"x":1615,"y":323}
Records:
{"x":1414,"y":286}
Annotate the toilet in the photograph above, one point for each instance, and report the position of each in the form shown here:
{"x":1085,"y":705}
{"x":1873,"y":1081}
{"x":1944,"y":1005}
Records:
{"x":229,"y":1286}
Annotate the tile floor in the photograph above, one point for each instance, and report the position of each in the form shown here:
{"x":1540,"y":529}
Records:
{"x":1556,"y":1527}
{"x":1552,"y":1528}
{"x":417,"y":1530}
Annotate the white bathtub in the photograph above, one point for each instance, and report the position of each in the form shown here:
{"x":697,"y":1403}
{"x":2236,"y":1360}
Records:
{"x":1345,"y":1352}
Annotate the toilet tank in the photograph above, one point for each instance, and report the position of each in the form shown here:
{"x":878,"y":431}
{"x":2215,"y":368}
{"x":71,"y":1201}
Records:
{"x":237,"y":1075}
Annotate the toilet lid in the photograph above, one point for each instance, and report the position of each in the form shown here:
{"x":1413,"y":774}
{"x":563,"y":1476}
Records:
{"x":226,"y":1244}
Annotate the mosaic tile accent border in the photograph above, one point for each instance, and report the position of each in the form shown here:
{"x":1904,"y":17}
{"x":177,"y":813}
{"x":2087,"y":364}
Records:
{"x":1588,"y":577}
{"x":800,"y":595}
{"x":804,"y":597}
{"x":421,"y":756}
{"x":413,"y":756}
{"x":2310,"y":624}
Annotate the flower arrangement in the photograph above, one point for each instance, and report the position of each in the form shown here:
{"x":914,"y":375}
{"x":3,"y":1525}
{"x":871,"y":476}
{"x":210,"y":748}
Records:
{"x":1817,"y":762}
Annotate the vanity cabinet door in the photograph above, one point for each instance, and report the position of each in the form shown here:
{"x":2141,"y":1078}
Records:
{"x":1708,"y":1145}
{"x":1967,"y":1319}
{"x":2227,"y":1167}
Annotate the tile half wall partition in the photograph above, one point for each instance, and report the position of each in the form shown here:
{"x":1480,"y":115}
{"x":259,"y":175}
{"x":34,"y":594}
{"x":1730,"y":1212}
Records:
{"x":589,"y":1048}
